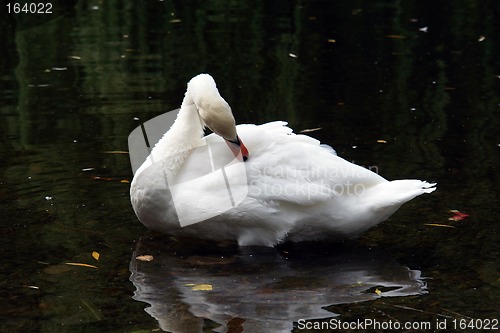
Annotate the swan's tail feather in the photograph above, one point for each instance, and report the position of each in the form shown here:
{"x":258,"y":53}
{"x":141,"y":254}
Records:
{"x":428,"y":187}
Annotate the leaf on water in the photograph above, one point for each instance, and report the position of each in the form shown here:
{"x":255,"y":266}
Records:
{"x":102,"y":178}
{"x":381,"y":141}
{"x":115,"y":152}
{"x":377,"y":291}
{"x":200,"y":287}
{"x":395,"y":36}
{"x":146,"y":257}
{"x":307,"y":130}
{"x":457,"y":215}
{"x":126,"y":181}
{"x":80,"y":264}
{"x":31,"y":287}
{"x":95,"y":255}
{"x":481,"y":38}
{"x":439,"y":225}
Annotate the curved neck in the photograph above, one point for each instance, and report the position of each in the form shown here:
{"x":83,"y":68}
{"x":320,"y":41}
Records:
{"x":185,"y":133}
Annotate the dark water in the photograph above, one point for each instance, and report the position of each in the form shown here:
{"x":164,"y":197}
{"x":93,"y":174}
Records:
{"x":422,"y":76}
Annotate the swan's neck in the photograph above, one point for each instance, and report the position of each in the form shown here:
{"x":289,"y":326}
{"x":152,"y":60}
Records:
{"x":184,"y":134}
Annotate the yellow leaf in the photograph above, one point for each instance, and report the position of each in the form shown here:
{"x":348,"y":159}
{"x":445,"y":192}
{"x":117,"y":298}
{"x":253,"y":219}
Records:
{"x":395,"y":36}
{"x":146,"y":257}
{"x":377,"y":291}
{"x":115,"y":152}
{"x":202,"y":287}
{"x":80,"y":264}
{"x":381,"y":141}
{"x":95,"y":255}
{"x":439,"y":225}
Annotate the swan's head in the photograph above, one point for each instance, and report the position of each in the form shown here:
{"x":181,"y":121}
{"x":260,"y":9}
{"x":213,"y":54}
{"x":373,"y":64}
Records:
{"x":215,"y":112}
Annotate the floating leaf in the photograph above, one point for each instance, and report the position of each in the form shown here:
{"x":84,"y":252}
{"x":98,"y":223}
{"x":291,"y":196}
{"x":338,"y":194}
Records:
{"x":439,"y":225}
{"x":31,"y":287}
{"x":307,"y":130}
{"x":80,"y":264}
{"x":200,"y":287}
{"x":381,"y":141}
{"x":146,"y":257}
{"x":395,"y":36}
{"x":457,"y":216}
{"x":115,"y":152}
{"x":95,"y":255}
{"x":102,"y":178}
{"x":377,"y":291}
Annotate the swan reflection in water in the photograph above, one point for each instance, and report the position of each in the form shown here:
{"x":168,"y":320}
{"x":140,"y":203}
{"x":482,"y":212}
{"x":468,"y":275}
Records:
{"x":258,"y":289}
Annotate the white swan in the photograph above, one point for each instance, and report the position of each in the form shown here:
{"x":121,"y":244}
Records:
{"x":288,"y":188}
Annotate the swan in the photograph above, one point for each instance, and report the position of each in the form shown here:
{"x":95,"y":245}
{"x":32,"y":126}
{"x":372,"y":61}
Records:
{"x":259,"y":185}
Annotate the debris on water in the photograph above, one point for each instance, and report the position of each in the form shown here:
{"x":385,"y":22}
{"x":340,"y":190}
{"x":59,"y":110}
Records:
{"x":48,"y":198}
{"x":307,"y":130}
{"x":145,"y":257}
{"x":481,"y":38}
{"x":115,"y":152}
{"x":395,"y":36}
{"x":80,"y":264}
{"x":457,"y":215}
{"x":31,"y":287}
{"x":87,"y":169}
{"x":200,"y":287}
{"x":439,"y":225}
{"x":423,"y":29}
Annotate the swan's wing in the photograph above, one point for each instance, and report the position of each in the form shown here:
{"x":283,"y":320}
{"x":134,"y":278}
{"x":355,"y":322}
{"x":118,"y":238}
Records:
{"x":283,"y":166}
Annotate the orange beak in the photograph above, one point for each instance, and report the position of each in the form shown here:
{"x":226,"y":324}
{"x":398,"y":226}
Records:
{"x":238,"y":148}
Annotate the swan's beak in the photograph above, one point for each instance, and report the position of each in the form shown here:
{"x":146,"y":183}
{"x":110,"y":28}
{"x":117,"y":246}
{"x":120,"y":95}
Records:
{"x":238,"y":148}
